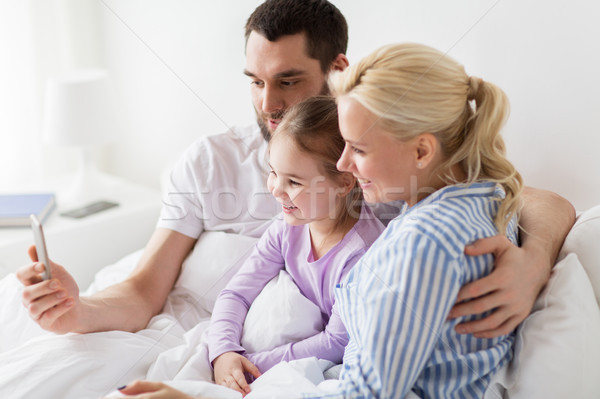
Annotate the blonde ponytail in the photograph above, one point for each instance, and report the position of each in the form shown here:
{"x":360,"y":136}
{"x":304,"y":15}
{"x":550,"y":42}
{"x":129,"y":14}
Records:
{"x":482,"y":151}
{"x":414,"y":89}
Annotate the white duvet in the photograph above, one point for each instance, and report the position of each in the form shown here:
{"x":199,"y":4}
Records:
{"x":558,"y":344}
{"x":36,"y":364}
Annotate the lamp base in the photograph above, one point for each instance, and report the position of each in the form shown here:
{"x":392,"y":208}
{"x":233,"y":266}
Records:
{"x":89,"y":185}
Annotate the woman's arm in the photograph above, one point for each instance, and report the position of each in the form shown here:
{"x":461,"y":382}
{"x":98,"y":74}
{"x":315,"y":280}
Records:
{"x":519,"y":273}
{"x":137,"y":389}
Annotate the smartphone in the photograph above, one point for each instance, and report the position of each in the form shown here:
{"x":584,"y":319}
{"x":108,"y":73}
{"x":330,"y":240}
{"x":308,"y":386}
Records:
{"x":89,"y":209}
{"x":40,"y":246}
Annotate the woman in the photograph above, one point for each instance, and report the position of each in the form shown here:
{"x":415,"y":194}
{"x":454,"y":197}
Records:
{"x":418,"y":129}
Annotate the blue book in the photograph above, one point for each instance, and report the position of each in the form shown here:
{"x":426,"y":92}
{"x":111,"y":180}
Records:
{"x":16,"y":208}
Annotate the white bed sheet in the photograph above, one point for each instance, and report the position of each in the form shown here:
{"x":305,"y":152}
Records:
{"x":38,"y":364}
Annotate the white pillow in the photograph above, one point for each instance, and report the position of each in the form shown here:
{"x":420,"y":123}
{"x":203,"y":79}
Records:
{"x":557,"y":353}
{"x":216,"y":257}
{"x":280,"y":314}
{"x":113,"y":274}
{"x":584,"y":240}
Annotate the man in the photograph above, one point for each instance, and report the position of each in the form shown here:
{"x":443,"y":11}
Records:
{"x":291,"y":48}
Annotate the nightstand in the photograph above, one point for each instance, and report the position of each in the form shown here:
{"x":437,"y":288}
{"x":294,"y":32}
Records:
{"x":86,"y":245}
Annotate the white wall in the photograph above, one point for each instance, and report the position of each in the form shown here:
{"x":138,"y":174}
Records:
{"x":545,"y":55}
{"x":179,"y":69}
{"x":18,"y":105}
{"x":178,"y":66}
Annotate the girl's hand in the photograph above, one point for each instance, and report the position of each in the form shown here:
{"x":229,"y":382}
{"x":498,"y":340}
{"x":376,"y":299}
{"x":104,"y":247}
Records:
{"x":152,"y":390}
{"x":229,"y":371}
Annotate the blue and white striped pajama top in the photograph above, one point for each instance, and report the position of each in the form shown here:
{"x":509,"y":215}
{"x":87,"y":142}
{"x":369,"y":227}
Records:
{"x":395,"y":302}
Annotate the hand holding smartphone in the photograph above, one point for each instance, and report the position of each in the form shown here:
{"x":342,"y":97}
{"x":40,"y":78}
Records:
{"x":40,"y":246}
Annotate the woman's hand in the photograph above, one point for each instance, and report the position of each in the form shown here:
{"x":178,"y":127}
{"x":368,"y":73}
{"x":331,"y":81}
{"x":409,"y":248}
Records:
{"x":53,"y":304}
{"x":152,"y":390}
{"x":510,"y":290}
{"x":229,"y":371}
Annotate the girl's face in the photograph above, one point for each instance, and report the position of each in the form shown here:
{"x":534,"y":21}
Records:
{"x":384,"y":166}
{"x":303,"y":191}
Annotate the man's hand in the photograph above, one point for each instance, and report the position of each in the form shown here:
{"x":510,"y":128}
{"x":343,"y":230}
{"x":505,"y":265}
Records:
{"x":54,"y":303}
{"x":229,"y":371}
{"x":152,"y":390}
{"x":510,"y":290}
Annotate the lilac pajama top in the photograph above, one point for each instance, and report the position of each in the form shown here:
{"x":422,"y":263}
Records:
{"x":285,"y":247}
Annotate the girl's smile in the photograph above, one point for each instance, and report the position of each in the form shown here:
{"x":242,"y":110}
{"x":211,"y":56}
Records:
{"x":299,"y":185}
{"x":288,"y":208}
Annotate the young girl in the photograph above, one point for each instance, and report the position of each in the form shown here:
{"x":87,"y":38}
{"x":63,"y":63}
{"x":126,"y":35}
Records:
{"x":323,"y":233}
{"x":419,"y":129}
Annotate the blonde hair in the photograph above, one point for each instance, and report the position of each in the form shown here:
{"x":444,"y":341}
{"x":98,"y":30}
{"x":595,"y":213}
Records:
{"x":414,"y":89}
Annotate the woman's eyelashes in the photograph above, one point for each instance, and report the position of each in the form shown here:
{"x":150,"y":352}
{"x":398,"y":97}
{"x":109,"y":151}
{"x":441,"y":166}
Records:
{"x":357,"y":150}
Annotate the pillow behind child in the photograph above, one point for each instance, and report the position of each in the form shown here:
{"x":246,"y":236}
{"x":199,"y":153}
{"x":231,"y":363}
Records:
{"x":279,"y":315}
{"x":216,"y":257}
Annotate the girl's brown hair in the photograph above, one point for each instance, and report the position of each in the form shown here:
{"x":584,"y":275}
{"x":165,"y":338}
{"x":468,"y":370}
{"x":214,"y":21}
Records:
{"x":313,"y":126}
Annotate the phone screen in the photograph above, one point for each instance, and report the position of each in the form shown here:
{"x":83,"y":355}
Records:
{"x":40,"y":246}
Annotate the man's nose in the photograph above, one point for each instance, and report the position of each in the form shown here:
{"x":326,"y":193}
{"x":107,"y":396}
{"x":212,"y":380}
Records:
{"x":272,"y":100}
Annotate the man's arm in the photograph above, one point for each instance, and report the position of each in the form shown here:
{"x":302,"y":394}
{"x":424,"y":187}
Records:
{"x":545,"y":221}
{"x":519,"y":273}
{"x":56,"y":306}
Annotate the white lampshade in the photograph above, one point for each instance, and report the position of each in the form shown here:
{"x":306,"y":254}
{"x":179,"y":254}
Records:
{"x":80,"y":109}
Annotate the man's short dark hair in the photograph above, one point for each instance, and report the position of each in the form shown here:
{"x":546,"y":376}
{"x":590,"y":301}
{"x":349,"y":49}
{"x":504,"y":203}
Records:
{"x":324,"y":25}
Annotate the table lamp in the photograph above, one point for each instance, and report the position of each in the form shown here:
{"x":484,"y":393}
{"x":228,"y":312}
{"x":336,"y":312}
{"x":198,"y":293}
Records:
{"x":80,"y":111}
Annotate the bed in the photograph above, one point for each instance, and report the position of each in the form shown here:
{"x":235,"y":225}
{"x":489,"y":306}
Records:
{"x":557,"y":353}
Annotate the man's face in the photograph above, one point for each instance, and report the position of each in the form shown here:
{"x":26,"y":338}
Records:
{"x":282,"y":74}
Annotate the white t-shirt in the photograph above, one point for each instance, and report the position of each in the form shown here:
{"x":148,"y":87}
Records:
{"x":220,"y":184}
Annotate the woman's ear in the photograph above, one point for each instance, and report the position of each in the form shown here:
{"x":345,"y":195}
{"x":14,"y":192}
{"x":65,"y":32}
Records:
{"x":427,"y":147}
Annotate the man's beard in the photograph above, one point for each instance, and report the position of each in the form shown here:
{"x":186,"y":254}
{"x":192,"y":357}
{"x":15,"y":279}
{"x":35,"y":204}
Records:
{"x":261,"y":116}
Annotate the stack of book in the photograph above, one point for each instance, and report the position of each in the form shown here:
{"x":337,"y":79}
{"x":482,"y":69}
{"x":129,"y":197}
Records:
{"x":16,"y":208}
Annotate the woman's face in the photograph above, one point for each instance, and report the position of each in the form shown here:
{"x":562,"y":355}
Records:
{"x":384,"y":166}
